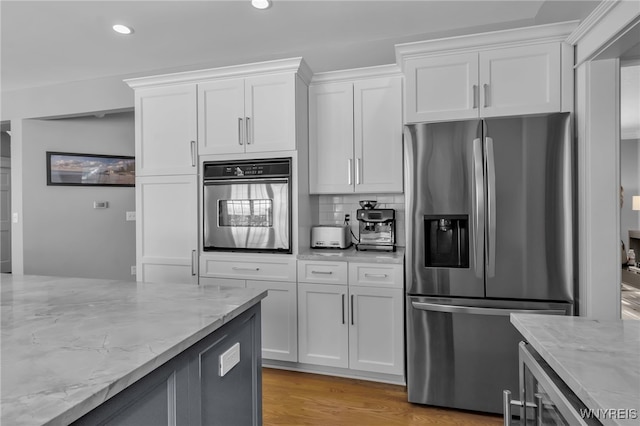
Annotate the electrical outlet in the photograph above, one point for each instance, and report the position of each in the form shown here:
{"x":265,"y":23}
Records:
{"x":229,"y":359}
{"x":134,"y":271}
{"x":131,"y":216}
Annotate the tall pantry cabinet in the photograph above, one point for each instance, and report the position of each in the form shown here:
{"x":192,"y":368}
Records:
{"x":166,"y":184}
{"x":182,"y":119}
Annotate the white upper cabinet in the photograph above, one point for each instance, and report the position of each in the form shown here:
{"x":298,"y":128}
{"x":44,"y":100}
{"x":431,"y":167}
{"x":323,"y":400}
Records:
{"x":520,"y":80}
{"x":355,"y":132}
{"x":378,"y":135}
{"x":442,"y":88}
{"x":331,"y":138}
{"x":503,"y":73}
{"x":166,"y":130}
{"x":270,"y":108}
{"x":253,"y":114}
{"x":221,"y":122}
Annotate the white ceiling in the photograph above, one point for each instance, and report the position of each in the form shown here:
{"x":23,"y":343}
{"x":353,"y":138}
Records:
{"x":50,"y":42}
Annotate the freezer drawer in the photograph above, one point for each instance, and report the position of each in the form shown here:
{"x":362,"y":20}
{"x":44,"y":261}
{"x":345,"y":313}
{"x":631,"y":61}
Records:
{"x":461,"y":353}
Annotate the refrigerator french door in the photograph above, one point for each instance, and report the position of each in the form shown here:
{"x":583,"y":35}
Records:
{"x":490,"y":203}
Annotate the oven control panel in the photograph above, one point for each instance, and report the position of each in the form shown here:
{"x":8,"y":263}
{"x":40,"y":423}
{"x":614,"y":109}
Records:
{"x":247,"y":169}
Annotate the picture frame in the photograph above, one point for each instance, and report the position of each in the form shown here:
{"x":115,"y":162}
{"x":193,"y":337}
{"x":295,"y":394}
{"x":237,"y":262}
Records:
{"x":75,"y":169}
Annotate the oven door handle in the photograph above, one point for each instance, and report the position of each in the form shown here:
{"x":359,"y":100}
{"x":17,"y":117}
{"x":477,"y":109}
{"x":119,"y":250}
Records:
{"x":472,"y":310}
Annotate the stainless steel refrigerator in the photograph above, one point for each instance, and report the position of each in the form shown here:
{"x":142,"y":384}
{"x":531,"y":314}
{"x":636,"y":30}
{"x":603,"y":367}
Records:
{"x":490,"y":231}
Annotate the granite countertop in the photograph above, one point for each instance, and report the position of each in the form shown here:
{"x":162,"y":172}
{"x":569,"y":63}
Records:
{"x":69,"y":344}
{"x":598,"y":360}
{"x":353,"y":255}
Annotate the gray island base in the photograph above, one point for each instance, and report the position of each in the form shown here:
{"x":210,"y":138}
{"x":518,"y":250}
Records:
{"x":87,"y":352}
{"x":595,"y":361}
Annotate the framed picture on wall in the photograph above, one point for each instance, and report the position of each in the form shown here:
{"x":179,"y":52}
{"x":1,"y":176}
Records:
{"x":70,"y":169}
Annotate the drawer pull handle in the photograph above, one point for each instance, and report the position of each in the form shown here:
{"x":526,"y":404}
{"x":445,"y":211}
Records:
{"x":236,"y":268}
{"x":376,"y":275}
{"x":322,"y":272}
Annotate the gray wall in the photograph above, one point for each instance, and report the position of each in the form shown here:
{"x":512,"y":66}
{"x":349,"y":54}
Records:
{"x":63,"y":234}
{"x":630,"y":181}
{"x":5,"y":144}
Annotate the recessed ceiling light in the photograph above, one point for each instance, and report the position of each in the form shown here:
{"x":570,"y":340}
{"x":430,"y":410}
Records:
{"x":122,"y":29}
{"x":261,"y":4}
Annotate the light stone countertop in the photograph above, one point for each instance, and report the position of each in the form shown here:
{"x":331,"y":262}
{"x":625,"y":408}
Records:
{"x":69,"y":344}
{"x":353,"y":255}
{"x":598,"y":360}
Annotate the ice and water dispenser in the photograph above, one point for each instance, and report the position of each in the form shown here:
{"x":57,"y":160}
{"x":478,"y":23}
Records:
{"x":446,"y":241}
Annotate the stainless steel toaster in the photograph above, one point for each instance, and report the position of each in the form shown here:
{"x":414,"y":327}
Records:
{"x":330,"y":236}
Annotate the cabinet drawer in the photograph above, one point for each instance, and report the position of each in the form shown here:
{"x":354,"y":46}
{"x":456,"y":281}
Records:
{"x":264,"y":269}
{"x":375,"y":275}
{"x":222,"y":282}
{"x":322,"y":272}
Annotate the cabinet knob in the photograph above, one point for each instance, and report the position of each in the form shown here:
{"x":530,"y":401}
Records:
{"x":240,"y":131}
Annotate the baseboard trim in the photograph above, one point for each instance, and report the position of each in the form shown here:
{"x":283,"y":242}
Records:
{"x":336,"y":372}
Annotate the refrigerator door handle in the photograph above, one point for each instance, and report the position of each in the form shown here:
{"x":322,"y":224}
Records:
{"x":491,"y":208}
{"x":472,"y":310}
{"x":479,"y":208}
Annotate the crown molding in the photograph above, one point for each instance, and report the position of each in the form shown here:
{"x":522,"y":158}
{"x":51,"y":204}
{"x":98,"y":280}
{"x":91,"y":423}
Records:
{"x":294,"y":65}
{"x":601,"y":10}
{"x":390,"y":70}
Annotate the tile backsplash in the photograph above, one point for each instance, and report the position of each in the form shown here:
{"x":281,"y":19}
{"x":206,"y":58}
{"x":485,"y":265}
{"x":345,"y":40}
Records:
{"x":333,"y":208}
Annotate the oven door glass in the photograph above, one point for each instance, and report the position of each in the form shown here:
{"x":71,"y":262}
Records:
{"x":247,"y":216}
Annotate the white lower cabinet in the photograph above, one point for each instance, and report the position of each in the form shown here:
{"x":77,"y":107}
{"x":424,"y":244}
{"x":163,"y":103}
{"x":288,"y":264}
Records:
{"x":276,"y":274}
{"x":347,"y":325}
{"x":323,"y":333}
{"x":166,"y":237}
{"x":376,"y":333}
{"x":279,"y":320}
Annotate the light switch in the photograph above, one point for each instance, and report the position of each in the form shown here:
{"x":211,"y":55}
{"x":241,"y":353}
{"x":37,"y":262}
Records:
{"x":131,"y":216}
{"x":14,"y":218}
{"x":100,"y":204}
{"x":229,"y":359}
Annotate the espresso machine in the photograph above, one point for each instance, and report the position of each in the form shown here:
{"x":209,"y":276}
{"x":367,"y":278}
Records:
{"x":377,"y":227}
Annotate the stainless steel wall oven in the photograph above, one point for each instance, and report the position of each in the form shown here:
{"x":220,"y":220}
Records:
{"x":247,"y":205}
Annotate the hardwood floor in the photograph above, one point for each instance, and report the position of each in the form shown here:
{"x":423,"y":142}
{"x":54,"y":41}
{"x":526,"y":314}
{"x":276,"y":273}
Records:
{"x":291,"y":398}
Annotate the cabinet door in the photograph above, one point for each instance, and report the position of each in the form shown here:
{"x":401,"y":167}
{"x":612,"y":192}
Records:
{"x":221,"y":118}
{"x":378,"y":135}
{"x":166,"y":130}
{"x":167,"y":229}
{"x":331,"y":167}
{"x":520,"y":80}
{"x":270,"y":111}
{"x":279,"y":320}
{"x":441,"y":88}
{"x":376,"y":333}
{"x":323,"y":334}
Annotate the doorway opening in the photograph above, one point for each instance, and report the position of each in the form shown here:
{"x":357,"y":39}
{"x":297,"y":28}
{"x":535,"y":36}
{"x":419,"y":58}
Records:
{"x":630,"y":182}
{"x":5,"y":197}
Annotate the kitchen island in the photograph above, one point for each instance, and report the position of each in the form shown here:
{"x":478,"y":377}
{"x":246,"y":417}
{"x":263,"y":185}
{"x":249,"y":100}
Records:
{"x":90,"y":351}
{"x":598,"y":360}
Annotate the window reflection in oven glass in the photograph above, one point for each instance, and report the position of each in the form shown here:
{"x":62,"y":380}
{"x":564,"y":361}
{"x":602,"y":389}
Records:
{"x":246,"y":213}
